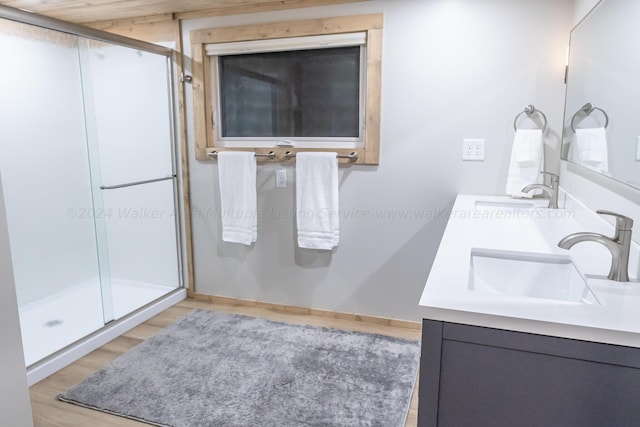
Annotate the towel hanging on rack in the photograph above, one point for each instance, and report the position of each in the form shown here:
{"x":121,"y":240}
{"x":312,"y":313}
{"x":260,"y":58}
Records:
{"x":527,"y":161}
{"x":591,"y":149}
{"x":238,"y":196}
{"x":317,"y":200}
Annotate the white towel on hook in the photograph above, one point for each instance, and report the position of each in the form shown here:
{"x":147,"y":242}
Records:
{"x":238,"y":196}
{"x":591,"y":148}
{"x":527,"y":161}
{"x":317,"y":200}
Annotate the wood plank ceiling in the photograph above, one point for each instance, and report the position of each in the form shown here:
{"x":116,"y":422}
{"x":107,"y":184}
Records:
{"x":83,"y":11}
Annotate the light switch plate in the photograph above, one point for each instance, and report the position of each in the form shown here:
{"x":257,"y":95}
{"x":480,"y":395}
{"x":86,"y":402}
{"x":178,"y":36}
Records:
{"x":473,"y":149}
{"x":638,"y":149}
{"x":281,"y":178}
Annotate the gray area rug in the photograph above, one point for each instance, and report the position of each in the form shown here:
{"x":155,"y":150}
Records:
{"x":217,"y":369}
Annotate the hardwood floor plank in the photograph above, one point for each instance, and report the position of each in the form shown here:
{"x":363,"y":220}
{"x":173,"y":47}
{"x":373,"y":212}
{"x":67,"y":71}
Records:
{"x":50,"y":412}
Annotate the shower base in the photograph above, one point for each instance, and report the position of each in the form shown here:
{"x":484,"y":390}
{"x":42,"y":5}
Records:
{"x":58,"y":320}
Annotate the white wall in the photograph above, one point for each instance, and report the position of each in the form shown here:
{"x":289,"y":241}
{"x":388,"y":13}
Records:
{"x":15,"y":405}
{"x":594,"y":190}
{"x":451,"y":69}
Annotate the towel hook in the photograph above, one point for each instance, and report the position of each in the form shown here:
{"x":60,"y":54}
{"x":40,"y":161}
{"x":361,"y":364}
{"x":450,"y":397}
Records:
{"x":529,"y":110}
{"x":588,"y":109}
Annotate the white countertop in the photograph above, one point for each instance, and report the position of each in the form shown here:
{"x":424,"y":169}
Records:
{"x":447,"y":296}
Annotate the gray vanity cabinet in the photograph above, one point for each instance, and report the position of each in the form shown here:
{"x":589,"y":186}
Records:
{"x":476,"y":376}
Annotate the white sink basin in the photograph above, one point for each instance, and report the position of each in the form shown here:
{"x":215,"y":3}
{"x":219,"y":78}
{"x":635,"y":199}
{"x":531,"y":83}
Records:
{"x":523,"y":274}
{"x":503,"y":205}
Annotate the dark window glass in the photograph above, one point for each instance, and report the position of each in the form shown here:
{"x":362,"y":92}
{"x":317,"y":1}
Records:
{"x":304,"y":93}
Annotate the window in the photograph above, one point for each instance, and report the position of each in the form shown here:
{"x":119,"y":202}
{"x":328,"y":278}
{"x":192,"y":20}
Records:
{"x":318,"y":89}
{"x":302,"y":93}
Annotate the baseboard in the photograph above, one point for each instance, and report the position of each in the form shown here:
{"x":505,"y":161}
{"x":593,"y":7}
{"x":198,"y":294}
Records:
{"x":75,"y":351}
{"x":303,"y":310}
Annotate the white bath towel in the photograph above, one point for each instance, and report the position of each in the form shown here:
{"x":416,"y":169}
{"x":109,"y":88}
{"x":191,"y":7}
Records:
{"x":317,"y":200}
{"x":237,"y":172}
{"x":591,"y":148}
{"x":527,"y":161}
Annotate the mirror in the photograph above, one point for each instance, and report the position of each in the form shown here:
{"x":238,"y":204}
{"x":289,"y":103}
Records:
{"x":602,"y":106}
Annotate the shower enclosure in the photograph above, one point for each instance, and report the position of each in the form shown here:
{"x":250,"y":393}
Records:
{"x":88,"y":162}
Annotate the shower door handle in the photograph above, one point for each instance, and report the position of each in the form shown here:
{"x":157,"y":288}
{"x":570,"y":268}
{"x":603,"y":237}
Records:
{"x":131,"y":184}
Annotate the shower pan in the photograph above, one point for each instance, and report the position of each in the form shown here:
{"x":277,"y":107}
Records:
{"x":88,"y":160}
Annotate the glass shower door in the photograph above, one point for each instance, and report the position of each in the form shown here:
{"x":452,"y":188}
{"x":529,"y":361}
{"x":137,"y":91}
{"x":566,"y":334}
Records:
{"x":129,"y":116}
{"x":89,"y":179}
{"x":43,"y":159}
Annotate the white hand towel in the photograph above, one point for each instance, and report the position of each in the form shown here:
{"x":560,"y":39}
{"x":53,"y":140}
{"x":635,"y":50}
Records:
{"x":317,"y":200}
{"x":591,"y":148}
{"x":527,"y":161}
{"x":527,"y":144}
{"x":237,"y":172}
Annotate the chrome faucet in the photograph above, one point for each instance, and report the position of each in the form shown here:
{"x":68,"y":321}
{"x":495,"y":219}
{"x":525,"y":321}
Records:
{"x":618,"y":245}
{"x":551,"y":191}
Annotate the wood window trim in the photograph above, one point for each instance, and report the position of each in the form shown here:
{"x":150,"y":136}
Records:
{"x":202,"y":109}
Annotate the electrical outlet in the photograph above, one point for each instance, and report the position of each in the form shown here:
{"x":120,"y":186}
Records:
{"x":281,"y":178}
{"x":473,"y":149}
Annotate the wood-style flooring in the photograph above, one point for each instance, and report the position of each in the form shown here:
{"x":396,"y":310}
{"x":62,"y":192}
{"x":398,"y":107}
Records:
{"x":49,"y":412}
